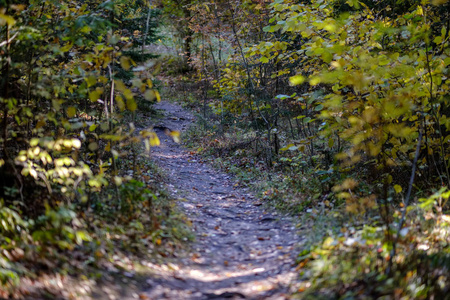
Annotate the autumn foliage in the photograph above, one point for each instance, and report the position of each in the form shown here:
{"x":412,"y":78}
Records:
{"x":342,"y":105}
{"x":70,"y":87}
{"x":349,"y":100}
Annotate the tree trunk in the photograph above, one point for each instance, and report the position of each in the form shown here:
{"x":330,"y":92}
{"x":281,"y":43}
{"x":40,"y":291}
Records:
{"x":188,"y":33}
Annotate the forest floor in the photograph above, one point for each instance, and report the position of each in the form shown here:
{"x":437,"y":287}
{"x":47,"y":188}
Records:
{"x":241,"y":251}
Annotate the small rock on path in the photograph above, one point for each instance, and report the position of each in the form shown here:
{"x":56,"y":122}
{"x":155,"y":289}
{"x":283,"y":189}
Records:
{"x":241,"y":250}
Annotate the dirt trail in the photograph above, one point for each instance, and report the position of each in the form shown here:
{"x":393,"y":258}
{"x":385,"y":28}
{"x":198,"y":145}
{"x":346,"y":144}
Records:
{"x":241,"y":251}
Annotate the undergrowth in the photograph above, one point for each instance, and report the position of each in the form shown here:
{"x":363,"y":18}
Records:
{"x":348,"y":248}
{"x":131,"y":219}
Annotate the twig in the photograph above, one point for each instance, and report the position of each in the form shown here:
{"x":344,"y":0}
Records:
{"x":408,"y":196}
{"x":8,"y":41}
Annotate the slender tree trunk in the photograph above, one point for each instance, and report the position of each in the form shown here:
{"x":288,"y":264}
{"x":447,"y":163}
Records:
{"x":4,"y":92}
{"x":187,"y":37}
{"x":147,"y":24}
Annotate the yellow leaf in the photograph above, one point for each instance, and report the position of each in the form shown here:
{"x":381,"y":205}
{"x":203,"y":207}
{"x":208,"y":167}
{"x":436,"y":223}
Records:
{"x":71,"y":111}
{"x":131,"y":104}
{"x":154,"y":140}
{"x":157,"y":69}
{"x":149,"y":95}
{"x":149,"y":83}
{"x":120,"y":103}
{"x":389,"y":179}
{"x":158,"y":96}
{"x":18,"y":7}
{"x":108,"y":147}
{"x":349,"y":184}
{"x":419,"y":11}
{"x":33,"y":173}
{"x":91,"y":80}
{"x":398,"y":189}
{"x":102,"y":79}
{"x":120,"y":86}
{"x":128,"y":94}
{"x":4,"y":19}
{"x":95,"y":95}
{"x":76,"y":143}
{"x":329,"y":241}
{"x":117,"y":180}
{"x":125,"y":62}
{"x":93,"y":146}
{"x":175,"y":136}
{"x":297,"y":79}
{"x":315,"y":80}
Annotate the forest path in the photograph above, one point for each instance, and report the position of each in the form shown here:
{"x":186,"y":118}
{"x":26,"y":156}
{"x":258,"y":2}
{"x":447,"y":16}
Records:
{"x":241,"y":250}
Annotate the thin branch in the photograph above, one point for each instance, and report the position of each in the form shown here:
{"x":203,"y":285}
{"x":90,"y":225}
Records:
{"x":407,"y":199}
{"x":8,"y":41}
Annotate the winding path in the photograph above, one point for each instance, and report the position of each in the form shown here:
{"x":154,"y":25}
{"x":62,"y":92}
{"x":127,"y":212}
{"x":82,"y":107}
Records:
{"x":241,"y":250}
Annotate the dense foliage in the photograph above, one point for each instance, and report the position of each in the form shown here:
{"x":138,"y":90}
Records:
{"x":345,"y":106}
{"x":70,"y":167}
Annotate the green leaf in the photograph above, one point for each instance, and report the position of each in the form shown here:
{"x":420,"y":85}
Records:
{"x":447,"y":61}
{"x":93,"y":127}
{"x":437,"y":40}
{"x":330,"y":142}
{"x":91,"y":80}
{"x":95,"y":95}
{"x":67,"y":47}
